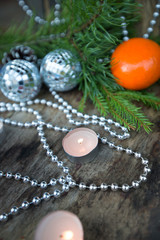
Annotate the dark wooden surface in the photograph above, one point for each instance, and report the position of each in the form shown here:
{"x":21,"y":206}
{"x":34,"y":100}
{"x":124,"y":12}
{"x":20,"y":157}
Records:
{"x":110,"y":215}
{"x":104,"y":215}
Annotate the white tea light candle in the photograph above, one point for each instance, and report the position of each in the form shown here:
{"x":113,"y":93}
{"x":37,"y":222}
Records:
{"x":60,"y":225}
{"x":80,"y":145}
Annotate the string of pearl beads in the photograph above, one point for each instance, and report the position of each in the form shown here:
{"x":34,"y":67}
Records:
{"x":66,"y":181}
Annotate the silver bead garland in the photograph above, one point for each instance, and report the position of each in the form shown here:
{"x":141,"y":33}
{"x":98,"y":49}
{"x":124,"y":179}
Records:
{"x":66,"y":181}
{"x":153,"y":21}
{"x":56,"y":21}
{"x":124,"y":29}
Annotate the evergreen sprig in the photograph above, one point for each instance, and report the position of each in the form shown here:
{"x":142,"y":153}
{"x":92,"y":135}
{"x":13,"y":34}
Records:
{"x":149,"y":99}
{"x":93,"y":29}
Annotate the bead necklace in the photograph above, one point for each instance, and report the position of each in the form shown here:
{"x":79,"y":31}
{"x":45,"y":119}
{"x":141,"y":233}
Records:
{"x":38,"y":19}
{"x":153,"y":22}
{"x":66,"y":181}
{"x":58,"y":21}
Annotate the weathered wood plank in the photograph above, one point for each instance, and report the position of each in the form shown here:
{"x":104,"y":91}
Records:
{"x":109,"y":215}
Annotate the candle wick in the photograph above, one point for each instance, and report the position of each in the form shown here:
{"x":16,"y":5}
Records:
{"x":67,"y":235}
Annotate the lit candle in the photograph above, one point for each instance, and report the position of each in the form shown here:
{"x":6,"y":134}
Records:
{"x":80,"y":145}
{"x":59,"y":225}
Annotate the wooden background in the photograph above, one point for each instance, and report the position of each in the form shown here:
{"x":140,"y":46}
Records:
{"x":105,"y":215}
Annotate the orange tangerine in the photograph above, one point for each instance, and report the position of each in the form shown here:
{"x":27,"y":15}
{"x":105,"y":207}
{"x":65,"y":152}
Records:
{"x":136,"y":63}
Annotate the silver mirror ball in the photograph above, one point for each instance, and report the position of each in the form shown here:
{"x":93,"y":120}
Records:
{"x":60,"y":70}
{"x":20,"y":80}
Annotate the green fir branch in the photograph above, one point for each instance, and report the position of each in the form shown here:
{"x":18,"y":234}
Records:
{"x":147,"y":98}
{"x":126,"y":110}
{"x":101,"y":104}
{"x":82,"y":103}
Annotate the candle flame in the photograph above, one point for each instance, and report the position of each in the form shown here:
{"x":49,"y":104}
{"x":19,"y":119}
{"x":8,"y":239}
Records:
{"x":80,"y":140}
{"x":67,"y":235}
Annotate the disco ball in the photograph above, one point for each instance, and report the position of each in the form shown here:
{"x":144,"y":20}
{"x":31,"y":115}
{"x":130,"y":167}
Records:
{"x":60,"y":70}
{"x":20,"y":80}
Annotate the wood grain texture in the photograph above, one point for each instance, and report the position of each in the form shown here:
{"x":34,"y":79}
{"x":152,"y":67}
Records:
{"x":109,"y":215}
{"x":104,"y":215}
